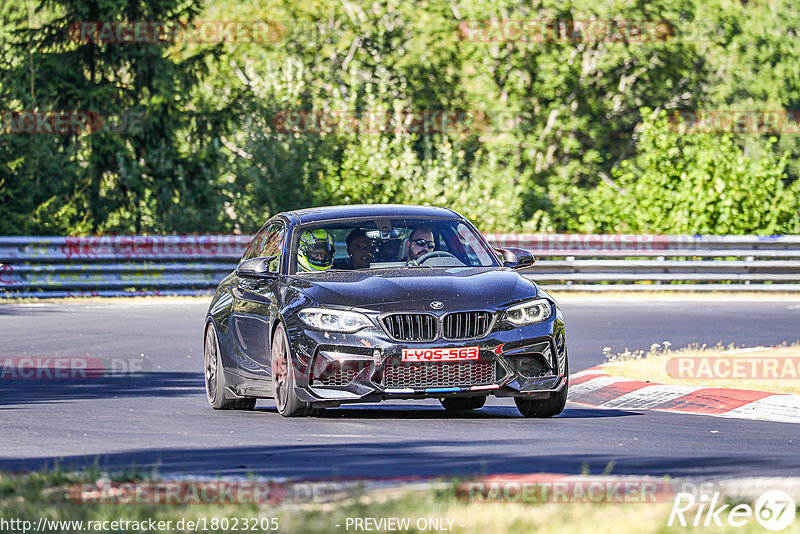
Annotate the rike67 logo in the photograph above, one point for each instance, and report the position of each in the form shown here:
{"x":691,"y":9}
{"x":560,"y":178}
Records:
{"x":774,"y":510}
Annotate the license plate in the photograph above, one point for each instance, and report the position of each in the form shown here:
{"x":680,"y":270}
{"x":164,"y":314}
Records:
{"x":455,"y":354}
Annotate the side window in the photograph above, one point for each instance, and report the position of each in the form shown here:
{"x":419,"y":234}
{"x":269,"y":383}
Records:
{"x":255,"y":244}
{"x":273,"y":245}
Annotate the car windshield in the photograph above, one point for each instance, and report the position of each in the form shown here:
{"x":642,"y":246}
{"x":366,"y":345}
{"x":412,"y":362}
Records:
{"x":387,"y":244}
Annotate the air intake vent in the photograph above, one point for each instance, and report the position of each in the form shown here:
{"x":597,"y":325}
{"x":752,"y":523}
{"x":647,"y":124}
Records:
{"x":411,"y":326}
{"x":531,"y":365}
{"x":336,"y":373}
{"x":466,"y":325}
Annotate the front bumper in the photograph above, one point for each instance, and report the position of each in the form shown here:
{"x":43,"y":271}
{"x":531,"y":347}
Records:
{"x":336,"y":368}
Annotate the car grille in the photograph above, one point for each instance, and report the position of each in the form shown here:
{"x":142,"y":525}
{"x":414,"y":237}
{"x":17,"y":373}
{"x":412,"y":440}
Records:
{"x":424,"y":326}
{"x":466,"y":325}
{"x":531,"y":365}
{"x":445,"y":374}
{"x":411,"y":326}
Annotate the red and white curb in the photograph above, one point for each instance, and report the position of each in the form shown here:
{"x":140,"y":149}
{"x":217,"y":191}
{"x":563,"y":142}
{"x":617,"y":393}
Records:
{"x":594,"y":387}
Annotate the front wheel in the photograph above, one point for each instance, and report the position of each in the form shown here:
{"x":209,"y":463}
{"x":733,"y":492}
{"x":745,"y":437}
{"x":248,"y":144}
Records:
{"x":283,"y":378}
{"x":215,"y":377}
{"x":545,"y":407}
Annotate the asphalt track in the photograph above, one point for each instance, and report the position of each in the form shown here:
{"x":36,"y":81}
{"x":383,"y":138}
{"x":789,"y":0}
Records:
{"x":161,"y":420}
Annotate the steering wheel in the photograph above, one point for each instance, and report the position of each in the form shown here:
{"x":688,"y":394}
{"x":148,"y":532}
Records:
{"x":435,"y":254}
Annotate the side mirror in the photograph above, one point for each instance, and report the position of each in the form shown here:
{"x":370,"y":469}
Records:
{"x":256,"y":267}
{"x":516,"y":258}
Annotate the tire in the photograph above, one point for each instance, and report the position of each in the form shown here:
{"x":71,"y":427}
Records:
{"x":215,"y":377}
{"x":283,"y":377}
{"x":545,"y":407}
{"x":461,"y":404}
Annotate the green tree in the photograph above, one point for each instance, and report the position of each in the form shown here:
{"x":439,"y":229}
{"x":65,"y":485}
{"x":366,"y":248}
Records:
{"x":358,"y":62}
{"x":692,"y":183}
{"x":212,"y":157}
{"x":159,"y":174}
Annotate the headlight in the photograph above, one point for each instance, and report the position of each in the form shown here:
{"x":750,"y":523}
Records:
{"x":533,"y":311}
{"x":334,"y":320}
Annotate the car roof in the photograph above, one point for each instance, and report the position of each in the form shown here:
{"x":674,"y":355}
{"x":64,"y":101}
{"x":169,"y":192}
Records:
{"x":397,"y":211}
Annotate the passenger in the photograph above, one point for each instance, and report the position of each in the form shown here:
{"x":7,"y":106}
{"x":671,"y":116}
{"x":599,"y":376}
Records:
{"x":359,"y":248}
{"x":420,"y":242}
{"x":315,"y":251}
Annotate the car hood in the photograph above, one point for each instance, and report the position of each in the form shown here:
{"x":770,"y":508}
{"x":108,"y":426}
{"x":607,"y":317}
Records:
{"x":414,"y":289}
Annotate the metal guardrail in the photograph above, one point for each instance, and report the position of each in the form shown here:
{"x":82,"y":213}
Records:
{"x":116,"y":265}
{"x":190,"y":265}
{"x":661,"y":262}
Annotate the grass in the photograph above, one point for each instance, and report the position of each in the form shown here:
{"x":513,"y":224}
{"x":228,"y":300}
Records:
{"x":660,"y":364}
{"x":46,"y":494}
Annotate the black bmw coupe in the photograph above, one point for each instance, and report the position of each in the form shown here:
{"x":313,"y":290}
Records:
{"x":351,"y":304}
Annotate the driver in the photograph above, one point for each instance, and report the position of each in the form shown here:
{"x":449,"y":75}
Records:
{"x":315,"y":251}
{"x":420,"y":242}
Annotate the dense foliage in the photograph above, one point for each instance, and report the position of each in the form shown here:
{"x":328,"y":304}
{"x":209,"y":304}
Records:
{"x":564,"y":133}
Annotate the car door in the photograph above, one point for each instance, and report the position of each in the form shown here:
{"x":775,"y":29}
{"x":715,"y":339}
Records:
{"x":256,"y":304}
